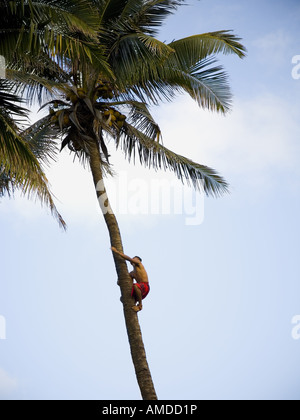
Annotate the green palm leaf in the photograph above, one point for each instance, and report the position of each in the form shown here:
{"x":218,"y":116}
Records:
{"x":152,"y":13}
{"x":19,"y":166}
{"x":42,"y":140}
{"x":189,"y":51}
{"x":205,"y":84}
{"x":21,"y":169}
{"x":30,"y":26}
{"x":10,"y":102}
{"x":152,"y":154}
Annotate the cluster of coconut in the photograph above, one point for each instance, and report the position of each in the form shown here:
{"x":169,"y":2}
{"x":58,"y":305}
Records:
{"x":103,"y":91}
{"x":63,"y":114}
{"x":61,"y":117}
{"x":114,"y":117}
{"x":81,"y":94}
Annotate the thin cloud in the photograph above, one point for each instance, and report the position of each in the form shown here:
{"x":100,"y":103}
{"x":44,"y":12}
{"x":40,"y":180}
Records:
{"x":8,"y":384}
{"x":257,"y":140}
{"x":273,"y":47}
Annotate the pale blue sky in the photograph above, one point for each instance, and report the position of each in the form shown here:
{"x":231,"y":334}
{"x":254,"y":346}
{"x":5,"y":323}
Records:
{"x":218,"y":321}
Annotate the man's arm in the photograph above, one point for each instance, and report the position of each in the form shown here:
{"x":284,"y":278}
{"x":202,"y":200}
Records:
{"x":123,"y":256}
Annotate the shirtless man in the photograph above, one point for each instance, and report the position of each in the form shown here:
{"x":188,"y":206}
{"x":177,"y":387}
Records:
{"x":141,"y":288}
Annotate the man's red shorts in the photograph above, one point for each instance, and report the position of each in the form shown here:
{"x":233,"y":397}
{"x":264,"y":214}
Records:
{"x":144,"y":288}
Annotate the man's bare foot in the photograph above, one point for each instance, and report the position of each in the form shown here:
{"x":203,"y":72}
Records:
{"x":137,"y":308}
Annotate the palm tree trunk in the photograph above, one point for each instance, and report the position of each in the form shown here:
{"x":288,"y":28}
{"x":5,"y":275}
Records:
{"x":131,"y":319}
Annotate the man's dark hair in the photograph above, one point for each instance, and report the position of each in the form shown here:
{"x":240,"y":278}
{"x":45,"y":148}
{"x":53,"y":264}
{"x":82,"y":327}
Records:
{"x":138,"y":258}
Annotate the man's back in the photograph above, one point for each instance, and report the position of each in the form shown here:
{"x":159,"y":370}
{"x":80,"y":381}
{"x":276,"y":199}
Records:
{"x":139,"y":272}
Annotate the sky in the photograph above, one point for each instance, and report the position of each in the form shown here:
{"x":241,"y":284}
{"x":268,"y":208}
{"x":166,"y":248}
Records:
{"x":222,"y":320}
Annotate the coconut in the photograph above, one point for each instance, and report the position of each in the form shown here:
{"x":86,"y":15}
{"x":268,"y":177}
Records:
{"x":81,"y":93}
{"x":74,"y":98}
{"x":98,"y":93}
{"x":66,"y":120}
{"x":76,"y":145}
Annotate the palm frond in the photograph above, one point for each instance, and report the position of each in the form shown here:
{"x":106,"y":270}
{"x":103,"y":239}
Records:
{"x":206,"y":84}
{"x":6,"y":184}
{"x":109,"y":10}
{"x":34,"y":87}
{"x":152,"y":13}
{"x":31,"y":26}
{"x":142,"y":120}
{"x":189,"y":51}
{"x":20,"y":168}
{"x":42,"y":140}
{"x":154,"y":155}
{"x":9,"y":102}
{"x":137,"y":54}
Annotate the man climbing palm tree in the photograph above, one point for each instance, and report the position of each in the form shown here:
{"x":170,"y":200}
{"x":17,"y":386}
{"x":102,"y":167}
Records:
{"x":141,"y":288}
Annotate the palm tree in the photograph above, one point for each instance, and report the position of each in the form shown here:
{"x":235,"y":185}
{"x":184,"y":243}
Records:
{"x":31,"y":27}
{"x":34,"y":35}
{"x":93,"y":106}
{"x":19,"y":164}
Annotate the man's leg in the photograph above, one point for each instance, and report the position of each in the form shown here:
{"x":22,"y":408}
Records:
{"x":138,"y":298}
